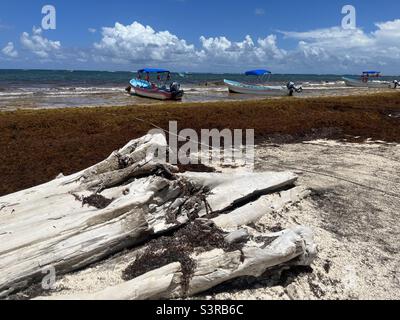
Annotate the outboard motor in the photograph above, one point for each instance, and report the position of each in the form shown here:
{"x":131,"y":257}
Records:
{"x":292,"y":88}
{"x":176,"y":91}
{"x":175,"y":86}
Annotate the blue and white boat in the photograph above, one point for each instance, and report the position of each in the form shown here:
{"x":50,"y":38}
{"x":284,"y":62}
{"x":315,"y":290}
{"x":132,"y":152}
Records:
{"x":258,"y":89}
{"x":143,"y":86}
{"x":370,"y":79}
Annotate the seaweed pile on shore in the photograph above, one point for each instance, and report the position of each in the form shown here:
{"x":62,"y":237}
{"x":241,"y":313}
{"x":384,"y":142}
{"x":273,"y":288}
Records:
{"x":37,"y":145}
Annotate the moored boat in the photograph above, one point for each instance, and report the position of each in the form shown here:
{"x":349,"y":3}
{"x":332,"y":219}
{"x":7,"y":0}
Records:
{"x":257,"y":89}
{"x":162,"y":90}
{"x":367,"y":81}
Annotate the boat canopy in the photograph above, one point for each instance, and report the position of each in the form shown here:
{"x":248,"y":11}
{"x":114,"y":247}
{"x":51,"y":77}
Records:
{"x":259,"y":72}
{"x":371,"y":72}
{"x":150,"y":70}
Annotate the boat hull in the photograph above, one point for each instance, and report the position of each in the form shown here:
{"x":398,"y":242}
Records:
{"x":145,"y":89}
{"x":153,"y":94}
{"x":359,"y":84}
{"x":237,"y":87}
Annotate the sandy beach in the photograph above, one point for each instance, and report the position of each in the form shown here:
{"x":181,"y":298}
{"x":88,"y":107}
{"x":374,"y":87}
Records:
{"x":199,"y":158}
{"x":345,"y":150}
{"x":352,"y":210}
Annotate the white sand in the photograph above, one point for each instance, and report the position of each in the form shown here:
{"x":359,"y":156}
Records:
{"x":357,"y":228}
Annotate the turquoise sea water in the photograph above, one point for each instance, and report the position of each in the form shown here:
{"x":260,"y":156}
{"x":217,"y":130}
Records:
{"x":70,"y":78}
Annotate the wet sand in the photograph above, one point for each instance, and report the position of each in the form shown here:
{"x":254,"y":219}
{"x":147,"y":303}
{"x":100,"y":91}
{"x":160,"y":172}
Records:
{"x":107,"y":97}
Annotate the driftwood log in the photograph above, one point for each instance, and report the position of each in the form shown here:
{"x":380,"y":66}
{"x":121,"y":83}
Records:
{"x":293,"y":247}
{"x":72,"y":222}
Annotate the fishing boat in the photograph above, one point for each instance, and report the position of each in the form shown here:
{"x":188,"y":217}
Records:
{"x":162,"y":89}
{"x":258,"y":89}
{"x":369,"y":79}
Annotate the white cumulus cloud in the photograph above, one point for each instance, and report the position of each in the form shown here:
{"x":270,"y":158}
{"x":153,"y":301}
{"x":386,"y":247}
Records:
{"x":10,"y":51}
{"x":39,"y":45}
{"x":223,"y":52}
{"x":327,"y":50}
{"x":137,"y":43}
{"x":337,"y":49}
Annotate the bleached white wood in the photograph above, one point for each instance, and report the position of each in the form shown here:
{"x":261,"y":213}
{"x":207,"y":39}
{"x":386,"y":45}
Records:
{"x":230,"y":190}
{"x":254,"y":211}
{"x":48,"y":226}
{"x":292,"y":247}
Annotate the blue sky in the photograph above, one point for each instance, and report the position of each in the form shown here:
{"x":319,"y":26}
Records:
{"x":223,"y":36}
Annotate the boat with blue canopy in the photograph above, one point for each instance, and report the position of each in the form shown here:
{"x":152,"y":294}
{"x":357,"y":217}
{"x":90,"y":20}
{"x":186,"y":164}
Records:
{"x":370,"y":79}
{"x":155,"y":84}
{"x":262,"y":75}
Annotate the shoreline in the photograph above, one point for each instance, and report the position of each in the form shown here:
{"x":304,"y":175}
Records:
{"x":40,"y":144}
{"x":117,"y":97}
